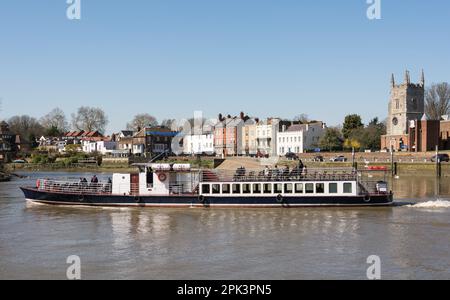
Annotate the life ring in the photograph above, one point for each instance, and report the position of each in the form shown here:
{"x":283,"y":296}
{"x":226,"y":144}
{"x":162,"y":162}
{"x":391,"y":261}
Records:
{"x":162,"y":177}
{"x":81,"y":199}
{"x":137,"y":199}
{"x":201,"y":199}
{"x":367,"y":198}
{"x":279,"y":198}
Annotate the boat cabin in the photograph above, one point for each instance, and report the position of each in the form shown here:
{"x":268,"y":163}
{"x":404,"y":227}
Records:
{"x":155,"y":179}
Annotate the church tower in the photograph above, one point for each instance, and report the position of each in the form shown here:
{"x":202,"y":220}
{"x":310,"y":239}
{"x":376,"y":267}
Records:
{"x":406,"y":104}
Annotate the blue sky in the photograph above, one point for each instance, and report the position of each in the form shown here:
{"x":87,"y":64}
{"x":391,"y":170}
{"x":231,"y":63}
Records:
{"x":171,"y":57}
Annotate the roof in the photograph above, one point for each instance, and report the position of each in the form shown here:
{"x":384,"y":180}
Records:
{"x":127,"y":133}
{"x":297,"y":127}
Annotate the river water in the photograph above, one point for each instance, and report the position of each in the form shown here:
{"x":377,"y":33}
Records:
{"x":411,"y":239}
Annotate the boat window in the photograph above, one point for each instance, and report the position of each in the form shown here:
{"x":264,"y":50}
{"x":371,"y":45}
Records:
{"x":299,"y":188}
{"x":320,"y":188}
{"x":257,"y":188}
{"x":332,"y":188}
{"x":277,"y":188}
{"x":267,"y":188}
{"x":246,"y":188}
{"x":236,"y":188}
{"x":205,"y":188}
{"x":225,"y":188}
{"x":309,"y":188}
{"x":347,"y":188}
{"x":216,"y":188}
{"x":288,"y":188}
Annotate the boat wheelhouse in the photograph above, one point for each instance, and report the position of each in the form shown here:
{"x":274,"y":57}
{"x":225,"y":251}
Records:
{"x":178,"y":185}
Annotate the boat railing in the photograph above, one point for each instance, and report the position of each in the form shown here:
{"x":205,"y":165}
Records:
{"x":73,"y":187}
{"x":296,"y":174}
{"x":371,"y":187}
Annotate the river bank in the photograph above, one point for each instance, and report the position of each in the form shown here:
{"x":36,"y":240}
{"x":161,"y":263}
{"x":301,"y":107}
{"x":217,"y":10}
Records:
{"x":403,"y":167}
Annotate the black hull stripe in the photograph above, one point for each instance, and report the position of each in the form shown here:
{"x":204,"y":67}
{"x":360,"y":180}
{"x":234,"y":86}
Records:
{"x":193,"y":201}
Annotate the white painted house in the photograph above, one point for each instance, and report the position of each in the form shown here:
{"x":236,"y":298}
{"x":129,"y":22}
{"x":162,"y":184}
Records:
{"x":103,"y":147}
{"x":300,"y":138}
{"x":89,"y":146}
{"x":106,"y":147}
{"x":198,"y":143}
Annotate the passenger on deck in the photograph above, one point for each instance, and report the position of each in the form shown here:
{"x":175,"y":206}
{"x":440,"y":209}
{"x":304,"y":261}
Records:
{"x":276,"y":172}
{"x":286,"y":172}
{"x":83,"y":182}
{"x":94,"y":179}
{"x":266,"y":171}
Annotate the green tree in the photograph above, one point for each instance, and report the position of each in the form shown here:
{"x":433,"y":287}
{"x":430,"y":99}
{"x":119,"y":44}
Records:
{"x":331,"y":140}
{"x":351,"y":122}
{"x":368,"y":137}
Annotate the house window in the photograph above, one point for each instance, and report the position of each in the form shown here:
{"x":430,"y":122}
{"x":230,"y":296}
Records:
{"x":397,"y":104}
{"x":332,"y":188}
{"x":347,"y":188}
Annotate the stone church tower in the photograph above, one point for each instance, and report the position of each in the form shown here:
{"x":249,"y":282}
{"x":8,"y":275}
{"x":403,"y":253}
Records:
{"x":406,"y":104}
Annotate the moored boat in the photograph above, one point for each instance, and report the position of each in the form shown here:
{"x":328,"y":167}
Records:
{"x":178,"y":185}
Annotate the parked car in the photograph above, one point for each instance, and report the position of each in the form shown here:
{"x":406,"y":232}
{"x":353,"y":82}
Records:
{"x":442,"y":158}
{"x":318,"y":158}
{"x":340,"y":158}
{"x":19,"y":161}
{"x":291,"y":156}
{"x":262,"y":155}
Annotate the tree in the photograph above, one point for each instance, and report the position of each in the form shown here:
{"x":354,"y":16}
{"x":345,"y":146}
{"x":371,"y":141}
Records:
{"x":331,"y":140}
{"x":90,"y":119}
{"x":351,"y":123}
{"x":303,"y":118}
{"x":142,"y":120}
{"x":55,"y":122}
{"x":368,"y":137}
{"x":27,"y":127}
{"x":437,"y":99}
{"x":169,"y":123}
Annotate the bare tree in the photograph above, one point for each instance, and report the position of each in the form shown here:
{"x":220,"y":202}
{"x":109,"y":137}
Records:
{"x":90,"y":119}
{"x":55,"y":121}
{"x":142,"y":120}
{"x":27,"y":127}
{"x":437,"y":100}
{"x":303,"y":118}
{"x":169,"y":123}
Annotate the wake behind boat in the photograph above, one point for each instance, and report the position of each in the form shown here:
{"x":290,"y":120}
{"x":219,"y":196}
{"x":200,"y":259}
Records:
{"x":178,"y":185}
